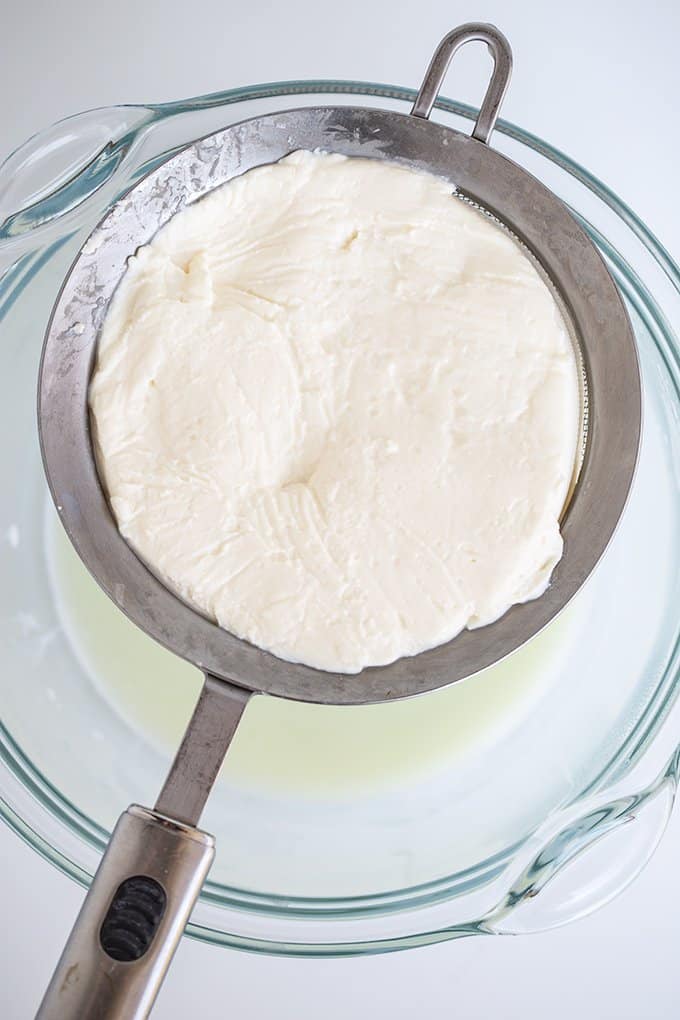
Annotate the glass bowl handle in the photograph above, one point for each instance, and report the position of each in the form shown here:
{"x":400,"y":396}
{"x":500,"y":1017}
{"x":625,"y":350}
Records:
{"x":588,"y":862}
{"x":58,"y":169}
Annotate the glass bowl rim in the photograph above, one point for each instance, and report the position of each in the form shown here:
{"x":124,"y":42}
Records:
{"x":626,"y":756}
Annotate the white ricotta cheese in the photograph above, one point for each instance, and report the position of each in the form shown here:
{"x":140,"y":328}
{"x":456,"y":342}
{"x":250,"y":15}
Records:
{"x":336,"y":409}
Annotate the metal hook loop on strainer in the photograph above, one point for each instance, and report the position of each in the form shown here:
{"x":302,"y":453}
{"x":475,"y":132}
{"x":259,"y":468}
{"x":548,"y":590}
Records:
{"x":499,"y":47}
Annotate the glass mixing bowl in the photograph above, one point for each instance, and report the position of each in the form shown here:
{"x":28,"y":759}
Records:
{"x":482,"y":808}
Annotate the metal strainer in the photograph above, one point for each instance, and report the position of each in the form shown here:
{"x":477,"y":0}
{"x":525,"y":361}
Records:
{"x":156,"y":861}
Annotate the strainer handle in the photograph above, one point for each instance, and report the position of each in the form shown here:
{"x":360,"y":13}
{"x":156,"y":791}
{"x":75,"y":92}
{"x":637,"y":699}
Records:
{"x":148,"y":881}
{"x":131,"y":921}
{"x":499,"y":47}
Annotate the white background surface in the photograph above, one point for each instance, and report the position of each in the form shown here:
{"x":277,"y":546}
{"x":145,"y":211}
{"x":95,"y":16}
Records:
{"x":601,"y":81}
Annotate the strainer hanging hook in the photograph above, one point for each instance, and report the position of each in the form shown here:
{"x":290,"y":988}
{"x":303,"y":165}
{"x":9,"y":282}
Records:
{"x":499,"y":48}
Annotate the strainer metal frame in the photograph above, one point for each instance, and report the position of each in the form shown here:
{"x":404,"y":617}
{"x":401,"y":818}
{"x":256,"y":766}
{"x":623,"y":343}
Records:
{"x":163,"y":844}
{"x":533,"y":213}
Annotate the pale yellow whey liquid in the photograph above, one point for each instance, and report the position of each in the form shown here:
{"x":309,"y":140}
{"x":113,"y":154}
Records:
{"x":283,"y":743}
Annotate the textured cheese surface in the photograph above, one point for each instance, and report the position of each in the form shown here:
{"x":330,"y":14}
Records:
{"x":336,"y":409}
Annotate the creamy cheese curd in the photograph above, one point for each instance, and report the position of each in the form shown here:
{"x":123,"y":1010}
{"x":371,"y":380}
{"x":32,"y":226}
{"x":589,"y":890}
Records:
{"x":337,"y":410}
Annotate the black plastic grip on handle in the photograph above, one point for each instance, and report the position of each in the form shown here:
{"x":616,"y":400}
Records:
{"x":132,"y":919}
